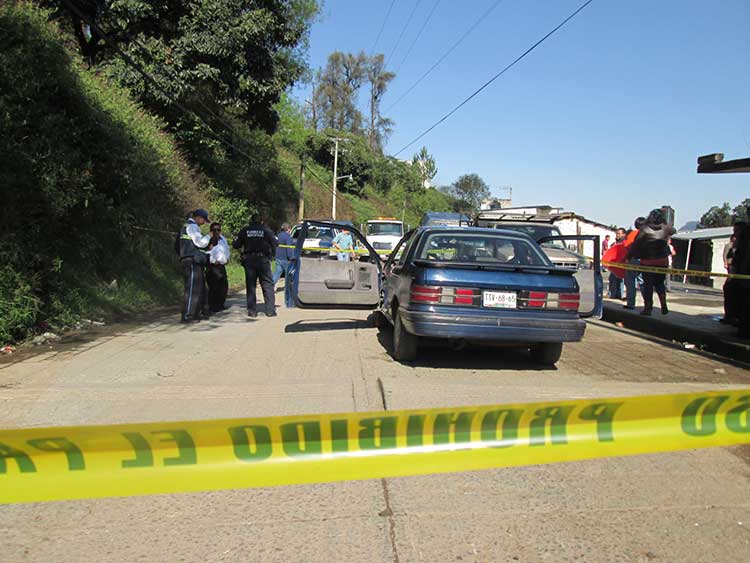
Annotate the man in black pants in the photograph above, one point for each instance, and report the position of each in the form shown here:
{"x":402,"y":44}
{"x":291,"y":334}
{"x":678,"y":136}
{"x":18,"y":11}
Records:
{"x":257,"y":243}
{"x":192,"y":246}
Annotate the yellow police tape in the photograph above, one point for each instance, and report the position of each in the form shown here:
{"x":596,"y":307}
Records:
{"x":674,"y":271}
{"x":42,"y":464}
{"x":331,"y":249}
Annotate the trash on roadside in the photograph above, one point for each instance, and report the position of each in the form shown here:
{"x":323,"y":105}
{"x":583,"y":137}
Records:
{"x":620,"y":324}
{"x":7,"y":350}
{"x":720,"y":371}
{"x":45,"y":338}
{"x":688,"y":346}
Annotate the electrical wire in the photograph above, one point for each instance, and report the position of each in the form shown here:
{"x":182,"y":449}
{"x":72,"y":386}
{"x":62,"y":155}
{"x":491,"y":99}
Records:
{"x":445,"y":55}
{"x":403,"y":30}
{"x":382,"y":27}
{"x":419,"y":34}
{"x":495,"y":77}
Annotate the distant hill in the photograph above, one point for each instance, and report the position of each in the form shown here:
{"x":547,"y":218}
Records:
{"x":689,"y":226}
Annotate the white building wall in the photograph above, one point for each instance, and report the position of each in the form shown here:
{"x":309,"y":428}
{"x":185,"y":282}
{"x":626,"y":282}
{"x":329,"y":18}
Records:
{"x":570,"y":226}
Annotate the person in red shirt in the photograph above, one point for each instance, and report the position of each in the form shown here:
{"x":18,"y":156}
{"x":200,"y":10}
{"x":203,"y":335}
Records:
{"x":605,"y":244}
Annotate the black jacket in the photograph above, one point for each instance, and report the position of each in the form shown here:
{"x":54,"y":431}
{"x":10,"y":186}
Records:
{"x":256,"y":239}
{"x":652,"y":242}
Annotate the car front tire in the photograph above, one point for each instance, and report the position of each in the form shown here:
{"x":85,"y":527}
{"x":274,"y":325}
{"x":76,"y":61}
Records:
{"x":546,"y":353}
{"x":404,"y":343}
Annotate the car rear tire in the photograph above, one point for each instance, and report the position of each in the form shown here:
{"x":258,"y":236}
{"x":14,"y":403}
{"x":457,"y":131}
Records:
{"x":546,"y":353}
{"x":404,"y":343}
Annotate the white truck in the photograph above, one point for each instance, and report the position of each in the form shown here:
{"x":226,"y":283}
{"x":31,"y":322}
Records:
{"x":383,"y":233}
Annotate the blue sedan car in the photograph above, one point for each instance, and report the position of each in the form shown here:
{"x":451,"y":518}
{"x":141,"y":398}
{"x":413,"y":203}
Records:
{"x":456,"y":283}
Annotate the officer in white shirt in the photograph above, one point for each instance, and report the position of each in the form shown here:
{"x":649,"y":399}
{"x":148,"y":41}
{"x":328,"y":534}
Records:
{"x":192,"y":246}
{"x":216,"y":271}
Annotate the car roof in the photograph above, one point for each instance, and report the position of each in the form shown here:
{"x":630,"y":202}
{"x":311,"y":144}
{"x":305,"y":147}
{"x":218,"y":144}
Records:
{"x":509,"y":224}
{"x":477,"y":230}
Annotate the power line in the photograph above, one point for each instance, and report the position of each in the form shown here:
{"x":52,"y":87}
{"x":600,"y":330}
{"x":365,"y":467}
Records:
{"x":419,"y":34}
{"x":498,"y":75}
{"x":445,"y":55}
{"x":403,"y":30}
{"x":382,"y":27}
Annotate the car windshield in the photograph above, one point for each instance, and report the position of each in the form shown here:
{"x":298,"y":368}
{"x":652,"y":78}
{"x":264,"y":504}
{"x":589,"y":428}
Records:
{"x":484,"y":248}
{"x":536,"y":232}
{"x":322,"y":233}
{"x":385,"y":229}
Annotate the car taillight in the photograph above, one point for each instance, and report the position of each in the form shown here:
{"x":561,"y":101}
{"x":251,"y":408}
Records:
{"x":425,"y":293}
{"x":537,"y":299}
{"x":464,"y":296}
{"x":569,"y":301}
{"x":444,"y":295}
{"x":549,"y":300}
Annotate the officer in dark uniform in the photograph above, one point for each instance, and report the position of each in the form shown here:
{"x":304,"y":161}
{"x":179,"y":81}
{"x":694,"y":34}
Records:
{"x":257,"y":244}
{"x":192,"y":246}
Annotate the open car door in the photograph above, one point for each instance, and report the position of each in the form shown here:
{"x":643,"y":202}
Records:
{"x":589,"y":276}
{"x":326,"y":278}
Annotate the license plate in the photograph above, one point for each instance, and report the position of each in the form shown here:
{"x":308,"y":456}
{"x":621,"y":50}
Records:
{"x":499,"y":299}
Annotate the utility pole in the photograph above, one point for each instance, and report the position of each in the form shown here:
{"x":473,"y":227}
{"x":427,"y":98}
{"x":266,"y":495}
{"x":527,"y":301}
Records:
{"x":336,"y":141}
{"x":301,"y":212}
{"x":335,"y":173}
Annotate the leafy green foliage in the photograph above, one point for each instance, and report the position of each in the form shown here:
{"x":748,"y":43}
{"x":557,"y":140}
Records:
{"x":355,"y":157}
{"x":425,"y":163}
{"x":470,"y":190}
{"x":237,"y":54}
{"x":81,"y":166}
{"x":741,"y":212}
{"x":717,"y":217}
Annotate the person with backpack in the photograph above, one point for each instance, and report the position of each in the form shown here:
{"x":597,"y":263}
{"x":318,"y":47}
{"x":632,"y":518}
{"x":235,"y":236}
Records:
{"x":651,"y":247}
{"x":192,"y":247}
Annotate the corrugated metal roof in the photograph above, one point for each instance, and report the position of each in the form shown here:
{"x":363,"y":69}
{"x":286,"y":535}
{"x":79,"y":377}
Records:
{"x":718,"y":232}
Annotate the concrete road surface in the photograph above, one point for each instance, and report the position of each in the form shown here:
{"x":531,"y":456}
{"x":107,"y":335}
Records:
{"x":687,"y":506}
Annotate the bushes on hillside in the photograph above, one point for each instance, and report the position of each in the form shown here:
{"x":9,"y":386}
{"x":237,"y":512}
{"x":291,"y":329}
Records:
{"x":82,"y":165}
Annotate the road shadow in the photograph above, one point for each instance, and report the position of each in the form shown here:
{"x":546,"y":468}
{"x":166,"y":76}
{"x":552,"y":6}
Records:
{"x":319,"y":325}
{"x":443,"y":354}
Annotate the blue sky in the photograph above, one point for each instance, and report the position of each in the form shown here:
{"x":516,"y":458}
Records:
{"x":606,"y":118}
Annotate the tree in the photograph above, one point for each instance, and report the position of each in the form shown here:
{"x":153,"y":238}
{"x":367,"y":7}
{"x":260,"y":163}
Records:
{"x":336,"y":88}
{"x":742,"y":211}
{"x":470,"y":190}
{"x":211,"y":56}
{"x":716,"y":217}
{"x":425,"y":163}
{"x":378,"y":77}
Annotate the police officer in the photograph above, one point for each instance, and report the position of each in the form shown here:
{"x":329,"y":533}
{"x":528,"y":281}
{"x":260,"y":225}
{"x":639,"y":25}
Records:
{"x":192,"y":246}
{"x":257,"y":244}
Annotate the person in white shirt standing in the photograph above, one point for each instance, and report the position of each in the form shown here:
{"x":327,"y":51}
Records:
{"x":192,"y":246}
{"x":216,"y":271}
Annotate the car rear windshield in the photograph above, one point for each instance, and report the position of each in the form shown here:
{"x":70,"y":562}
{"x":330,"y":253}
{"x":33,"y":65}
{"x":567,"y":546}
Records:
{"x":536,"y":232}
{"x":384,"y":229}
{"x":481,"y":248}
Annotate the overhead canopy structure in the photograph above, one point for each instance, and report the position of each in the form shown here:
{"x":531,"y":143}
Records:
{"x":714,"y":164}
